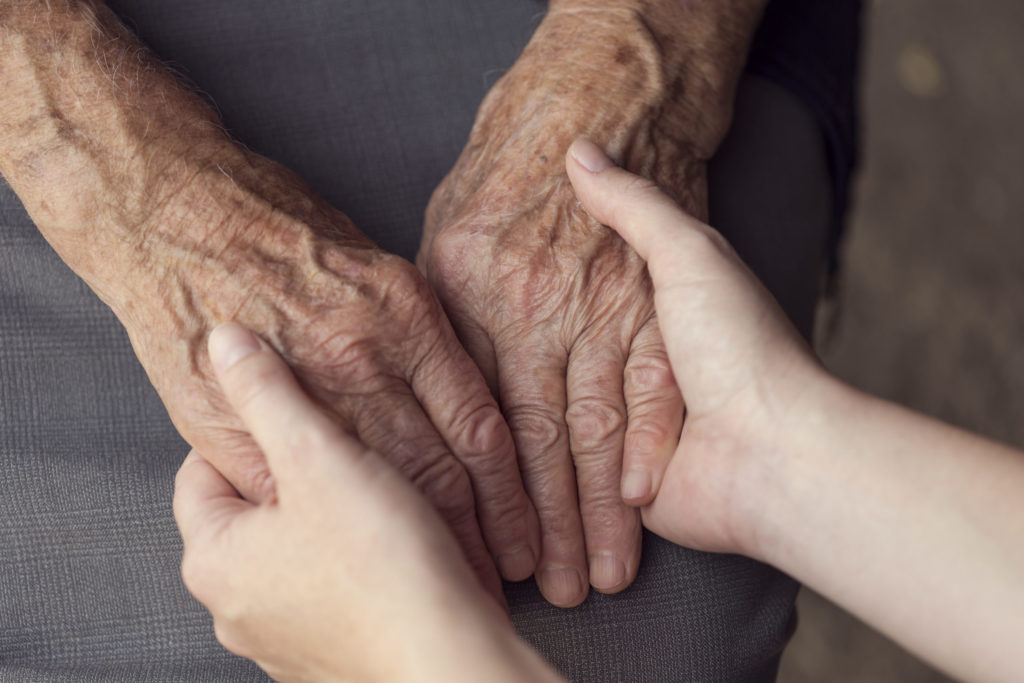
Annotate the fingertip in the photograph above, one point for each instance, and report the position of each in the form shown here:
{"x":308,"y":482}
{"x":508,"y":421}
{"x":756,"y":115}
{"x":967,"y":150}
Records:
{"x":589,"y":156}
{"x":517,"y":564}
{"x":637,"y":486}
{"x":562,"y":586}
{"x":229,"y":343}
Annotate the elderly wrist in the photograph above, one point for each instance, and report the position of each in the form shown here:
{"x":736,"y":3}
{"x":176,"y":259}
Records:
{"x":687,"y":56}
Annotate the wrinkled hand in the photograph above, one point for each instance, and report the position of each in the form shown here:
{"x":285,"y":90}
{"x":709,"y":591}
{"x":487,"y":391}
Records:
{"x":744,"y":371}
{"x":346,"y":574}
{"x":557,"y":310}
{"x":364,"y":333}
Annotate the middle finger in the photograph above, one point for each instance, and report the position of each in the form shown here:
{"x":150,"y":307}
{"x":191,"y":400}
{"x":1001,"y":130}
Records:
{"x":597,"y":427}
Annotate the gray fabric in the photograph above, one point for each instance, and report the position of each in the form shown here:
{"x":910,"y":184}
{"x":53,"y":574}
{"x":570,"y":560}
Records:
{"x":371,"y":102}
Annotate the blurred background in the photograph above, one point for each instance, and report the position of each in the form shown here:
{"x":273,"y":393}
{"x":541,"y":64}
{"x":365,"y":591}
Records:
{"x":930,"y":311}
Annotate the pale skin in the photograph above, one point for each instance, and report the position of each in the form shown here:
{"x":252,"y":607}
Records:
{"x":545,"y":398}
{"x":915,"y":526}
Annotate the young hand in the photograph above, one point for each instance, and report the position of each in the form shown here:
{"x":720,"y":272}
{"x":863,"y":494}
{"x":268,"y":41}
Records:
{"x":347,"y":572}
{"x":912,"y":525}
{"x":742,"y":368}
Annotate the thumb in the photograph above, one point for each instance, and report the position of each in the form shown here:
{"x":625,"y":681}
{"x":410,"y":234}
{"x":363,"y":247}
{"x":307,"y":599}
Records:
{"x":635,"y":207}
{"x":298,"y":439}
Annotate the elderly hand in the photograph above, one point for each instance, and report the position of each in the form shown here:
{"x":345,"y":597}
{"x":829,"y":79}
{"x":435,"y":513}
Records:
{"x":746,"y":374}
{"x":133,"y":181}
{"x":346,"y":573}
{"x":556,"y":310}
{"x":363,"y":331}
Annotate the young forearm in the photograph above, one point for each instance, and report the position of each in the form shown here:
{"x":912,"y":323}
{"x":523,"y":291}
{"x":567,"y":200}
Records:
{"x":913,"y":525}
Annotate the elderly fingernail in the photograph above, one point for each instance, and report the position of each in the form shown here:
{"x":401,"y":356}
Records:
{"x":230,"y":343}
{"x":636,"y":485}
{"x":607,"y":571}
{"x":590,"y":156}
{"x":517,"y":564}
{"x":561,"y":586}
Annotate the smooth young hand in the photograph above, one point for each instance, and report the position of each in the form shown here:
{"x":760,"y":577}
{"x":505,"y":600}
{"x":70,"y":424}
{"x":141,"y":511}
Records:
{"x":742,"y":368}
{"x":347,"y":573}
{"x":915,"y":526}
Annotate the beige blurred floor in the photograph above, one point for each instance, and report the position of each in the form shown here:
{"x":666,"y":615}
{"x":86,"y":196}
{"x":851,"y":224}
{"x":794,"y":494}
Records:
{"x":931,"y":312}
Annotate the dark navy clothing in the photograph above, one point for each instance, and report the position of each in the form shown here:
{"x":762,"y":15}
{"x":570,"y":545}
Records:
{"x":811,"y":48}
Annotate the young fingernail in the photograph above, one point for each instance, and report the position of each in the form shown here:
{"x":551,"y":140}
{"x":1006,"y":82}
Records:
{"x":590,"y":156}
{"x":230,"y":343}
{"x":636,"y":485}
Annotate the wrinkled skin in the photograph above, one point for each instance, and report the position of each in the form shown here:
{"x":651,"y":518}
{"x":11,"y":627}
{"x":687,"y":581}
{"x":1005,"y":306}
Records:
{"x":557,"y":310}
{"x":362,"y":329}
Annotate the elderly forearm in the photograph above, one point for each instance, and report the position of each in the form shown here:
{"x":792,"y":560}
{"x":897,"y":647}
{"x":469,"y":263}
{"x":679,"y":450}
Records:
{"x":112,"y":156}
{"x":94,"y":132}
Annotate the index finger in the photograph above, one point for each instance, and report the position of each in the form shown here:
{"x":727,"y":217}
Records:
{"x":290,"y":429}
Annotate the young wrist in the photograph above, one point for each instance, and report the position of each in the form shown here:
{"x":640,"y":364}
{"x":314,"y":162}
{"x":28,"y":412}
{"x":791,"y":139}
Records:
{"x":795,"y":477}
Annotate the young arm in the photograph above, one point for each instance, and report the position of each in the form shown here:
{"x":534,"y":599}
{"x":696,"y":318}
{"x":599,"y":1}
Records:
{"x":913,"y":525}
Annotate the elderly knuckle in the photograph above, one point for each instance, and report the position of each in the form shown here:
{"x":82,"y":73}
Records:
{"x":650,"y":374}
{"x":645,"y":437}
{"x":403,"y":284}
{"x":484,"y":440}
{"x":450,"y":254}
{"x":595,"y":423}
{"x":444,"y":481}
{"x":535,"y":428}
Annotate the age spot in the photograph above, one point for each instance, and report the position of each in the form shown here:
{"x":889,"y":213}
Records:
{"x":625,"y":54}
